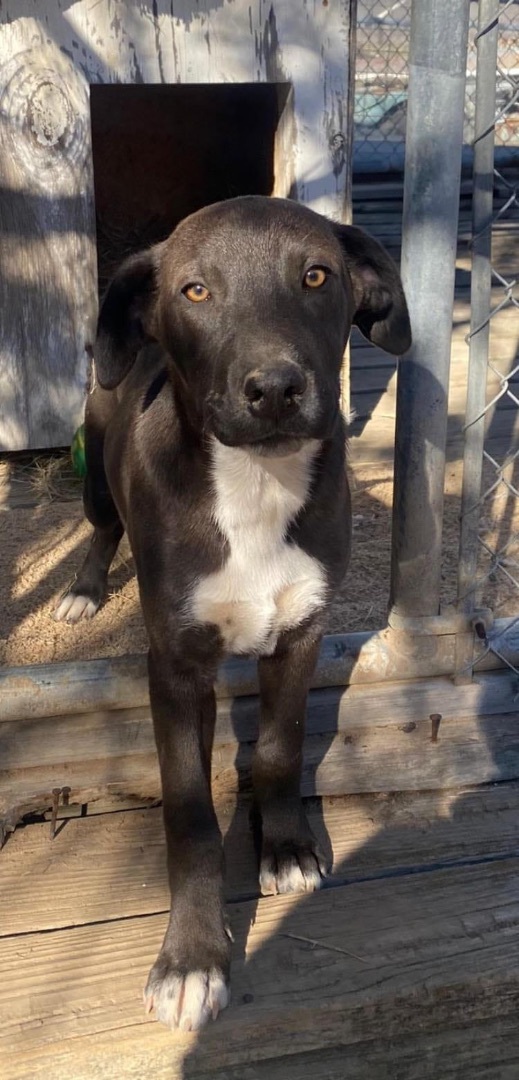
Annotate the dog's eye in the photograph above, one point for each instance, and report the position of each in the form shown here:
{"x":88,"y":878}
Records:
{"x":196,"y":292}
{"x":315,"y":277}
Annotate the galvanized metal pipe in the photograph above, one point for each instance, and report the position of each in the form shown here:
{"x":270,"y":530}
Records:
{"x":480,"y":297}
{"x":437,"y":66}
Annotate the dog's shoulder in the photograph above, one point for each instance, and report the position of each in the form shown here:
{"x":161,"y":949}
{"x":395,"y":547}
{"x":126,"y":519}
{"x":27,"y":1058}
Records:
{"x":143,"y":435}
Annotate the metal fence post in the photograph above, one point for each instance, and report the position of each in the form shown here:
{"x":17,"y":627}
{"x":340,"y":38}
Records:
{"x":480,"y":298}
{"x":437,"y":65}
{"x":486,"y":552}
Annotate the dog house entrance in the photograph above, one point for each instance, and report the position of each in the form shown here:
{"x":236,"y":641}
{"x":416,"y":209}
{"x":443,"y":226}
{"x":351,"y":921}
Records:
{"x":162,"y":152}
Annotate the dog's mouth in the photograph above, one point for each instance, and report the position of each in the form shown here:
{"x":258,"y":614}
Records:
{"x":277,"y":445}
{"x":272,"y":443}
{"x":275,"y":441}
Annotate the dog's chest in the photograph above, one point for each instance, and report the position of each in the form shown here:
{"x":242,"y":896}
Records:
{"x":267,"y":585}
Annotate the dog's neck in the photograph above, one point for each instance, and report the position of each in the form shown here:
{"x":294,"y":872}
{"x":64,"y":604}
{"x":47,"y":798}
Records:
{"x":255,"y":492}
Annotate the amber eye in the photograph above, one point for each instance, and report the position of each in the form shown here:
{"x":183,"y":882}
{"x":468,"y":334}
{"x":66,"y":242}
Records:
{"x":196,"y":292}
{"x":315,"y":277}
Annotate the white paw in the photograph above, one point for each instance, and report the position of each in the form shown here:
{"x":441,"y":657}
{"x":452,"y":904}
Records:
{"x":72,"y":608}
{"x":301,"y":870}
{"x":187,"y":1002}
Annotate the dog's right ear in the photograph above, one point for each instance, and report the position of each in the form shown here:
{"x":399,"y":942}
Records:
{"x":125,"y":317}
{"x":381,"y":311}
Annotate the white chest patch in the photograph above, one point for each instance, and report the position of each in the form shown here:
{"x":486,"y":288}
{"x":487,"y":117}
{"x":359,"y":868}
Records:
{"x":267,"y":585}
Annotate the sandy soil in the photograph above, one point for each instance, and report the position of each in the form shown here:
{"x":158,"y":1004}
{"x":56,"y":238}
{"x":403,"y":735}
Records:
{"x":44,"y":538}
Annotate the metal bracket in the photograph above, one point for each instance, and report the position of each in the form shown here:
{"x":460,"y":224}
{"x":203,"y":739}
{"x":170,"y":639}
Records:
{"x":449,"y":621}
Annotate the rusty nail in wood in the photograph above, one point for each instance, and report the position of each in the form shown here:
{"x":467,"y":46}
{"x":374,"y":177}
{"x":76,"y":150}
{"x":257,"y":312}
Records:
{"x":435,"y":719}
{"x":65,"y":794}
{"x":56,"y":792}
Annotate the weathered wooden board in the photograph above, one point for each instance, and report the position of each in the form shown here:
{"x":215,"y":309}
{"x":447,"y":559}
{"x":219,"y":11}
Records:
{"x":489,"y":1052}
{"x":370,"y":836}
{"x":462,"y":1042}
{"x":358,"y":741}
{"x":376,"y":396}
{"x":47,"y":254}
{"x":49,"y":54}
{"x":121,"y":682}
{"x":392,"y":187}
{"x":372,"y":440}
{"x":331,"y":710}
{"x":422,"y":953}
{"x":371,"y":369}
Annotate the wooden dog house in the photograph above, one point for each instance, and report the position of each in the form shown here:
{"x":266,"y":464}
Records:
{"x":118,"y":119}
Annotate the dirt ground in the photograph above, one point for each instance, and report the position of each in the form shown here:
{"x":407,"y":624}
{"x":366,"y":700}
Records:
{"x":44,"y":538}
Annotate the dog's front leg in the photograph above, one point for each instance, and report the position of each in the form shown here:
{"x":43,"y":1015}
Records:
{"x":189,"y":981}
{"x":290,"y":859}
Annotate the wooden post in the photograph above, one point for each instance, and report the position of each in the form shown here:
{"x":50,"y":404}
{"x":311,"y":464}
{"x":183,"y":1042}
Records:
{"x":47,"y":253}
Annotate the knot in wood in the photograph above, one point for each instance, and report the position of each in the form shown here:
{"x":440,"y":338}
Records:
{"x":48,"y":114}
{"x":337,"y":144}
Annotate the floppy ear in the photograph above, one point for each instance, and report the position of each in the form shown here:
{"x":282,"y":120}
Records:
{"x":125,"y":317}
{"x":380,"y":305}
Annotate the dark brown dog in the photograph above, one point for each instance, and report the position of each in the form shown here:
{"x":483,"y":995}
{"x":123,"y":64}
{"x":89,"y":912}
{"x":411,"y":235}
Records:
{"x":214,"y":437}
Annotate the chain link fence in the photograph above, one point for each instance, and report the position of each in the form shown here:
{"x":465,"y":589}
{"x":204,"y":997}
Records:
{"x":477,"y":106}
{"x":381,"y":81}
{"x":489,"y":544}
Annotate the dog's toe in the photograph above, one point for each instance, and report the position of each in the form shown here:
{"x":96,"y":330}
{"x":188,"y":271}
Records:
{"x":75,"y":606}
{"x":187,"y":1001}
{"x":292,"y":869}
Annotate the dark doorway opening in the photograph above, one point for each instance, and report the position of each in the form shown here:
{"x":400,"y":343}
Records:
{"x":162,"y":152}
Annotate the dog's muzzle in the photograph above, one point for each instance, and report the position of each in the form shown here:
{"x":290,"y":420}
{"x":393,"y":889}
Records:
{"x":275,"y":394}
{"x":272,"y":409}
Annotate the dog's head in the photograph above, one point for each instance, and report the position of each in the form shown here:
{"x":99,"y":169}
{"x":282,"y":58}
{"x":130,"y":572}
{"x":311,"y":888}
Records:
{"x":253,"y":300}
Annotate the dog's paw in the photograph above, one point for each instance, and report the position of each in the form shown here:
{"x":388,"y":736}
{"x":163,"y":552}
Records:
{"x":75,"y":606}
{"x":292,"y":867}
{"x":183,"y":1001}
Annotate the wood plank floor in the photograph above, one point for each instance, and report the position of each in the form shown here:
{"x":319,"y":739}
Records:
{"x":405,"y":966}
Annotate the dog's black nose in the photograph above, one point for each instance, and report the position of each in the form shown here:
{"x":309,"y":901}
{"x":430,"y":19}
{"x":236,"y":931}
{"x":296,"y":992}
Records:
{"x":274,"y":392}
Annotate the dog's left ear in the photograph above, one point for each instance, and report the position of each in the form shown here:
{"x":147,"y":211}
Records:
{"x":380,"y":305}
{"x":125,"y":317}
